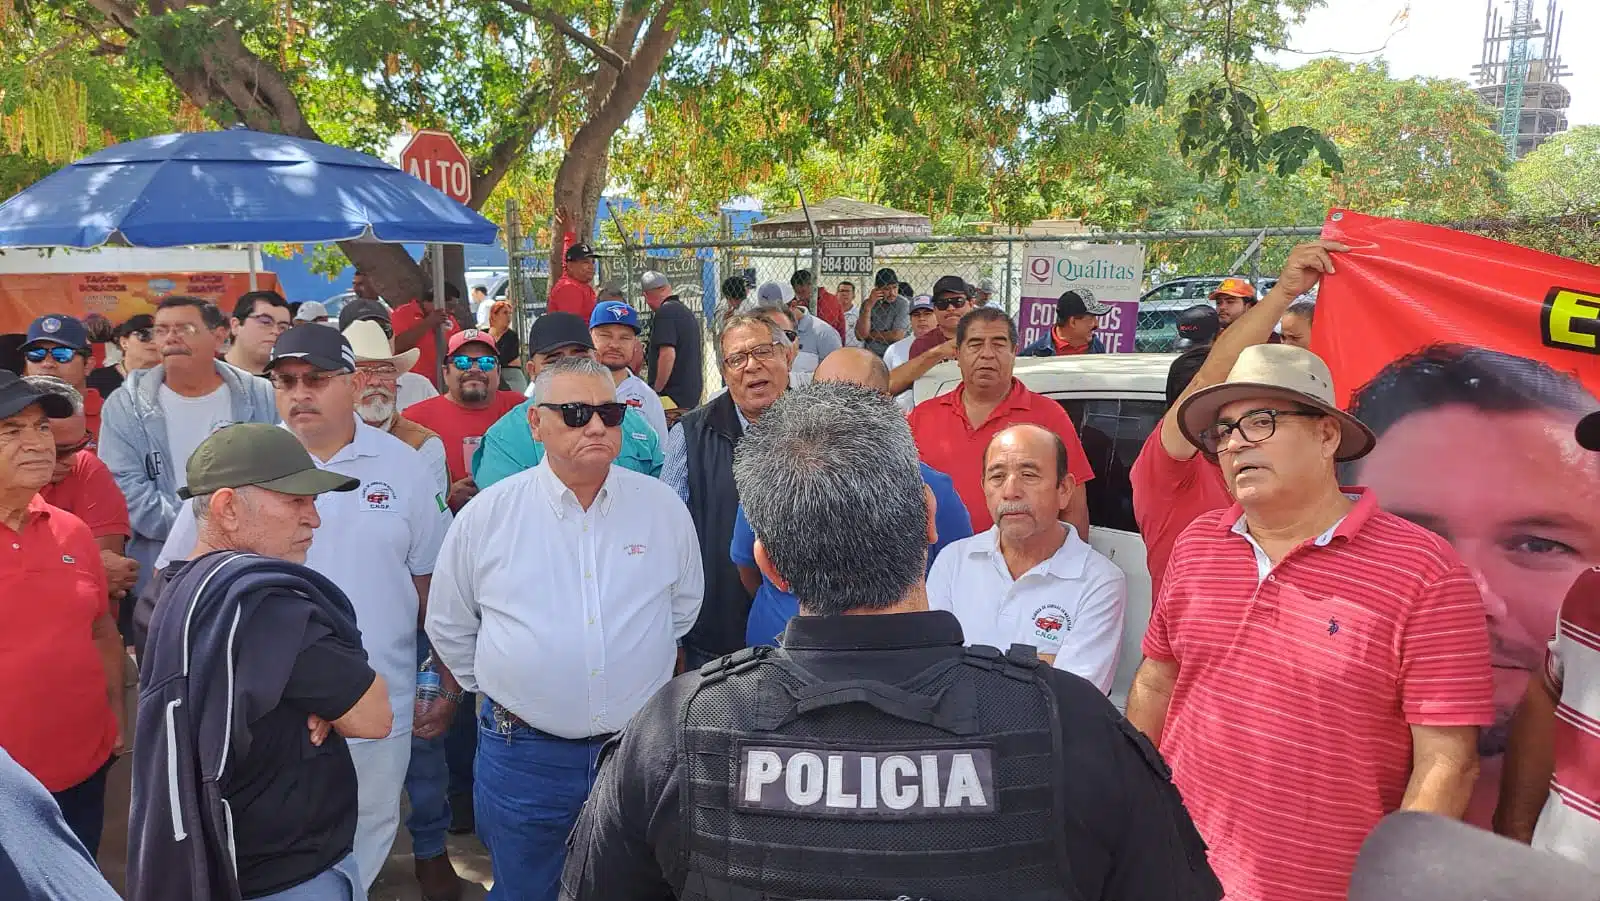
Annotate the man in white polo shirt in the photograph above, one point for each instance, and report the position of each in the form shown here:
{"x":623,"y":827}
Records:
{"x":377,"y":543}
{"x":561,"y":595}
{"x":1030,"y":579}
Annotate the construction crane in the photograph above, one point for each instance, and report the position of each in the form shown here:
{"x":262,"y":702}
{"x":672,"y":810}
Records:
{"x":1516,"y":73}
{"x":1521,"y":73}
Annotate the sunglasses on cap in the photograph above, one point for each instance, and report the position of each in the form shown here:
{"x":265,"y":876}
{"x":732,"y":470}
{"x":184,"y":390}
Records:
{"x":464,"y":362}
{"x":949,"y":303}
{"x":61,"y":355}
{"x":576,"y":415}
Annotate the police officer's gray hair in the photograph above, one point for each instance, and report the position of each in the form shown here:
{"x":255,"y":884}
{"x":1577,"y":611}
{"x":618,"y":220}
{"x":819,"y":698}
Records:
{"x":830,"y":483}
{"x":745,"y":320}
{"x":561,"y":366}
{"x":49,"y":384}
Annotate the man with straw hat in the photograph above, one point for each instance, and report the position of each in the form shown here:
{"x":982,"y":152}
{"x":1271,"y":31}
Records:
{"x":1313,"y":662}
{"x":378,"y":372}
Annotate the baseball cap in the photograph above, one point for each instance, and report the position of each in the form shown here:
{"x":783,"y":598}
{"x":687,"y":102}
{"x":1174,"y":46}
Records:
{"x":885,"y":278}
{"x":361,"y":309}
{"x":653,"y":280}
{"x":1589,"y":431}
{"x":1234,"y":286}
{"x":774,"y":292}
{"x":951,"y":284}
{"x":17,"y":395}
{"x":1423,"y":857}
{"x":1079,"y":302}
{"x":580,"y":252}
{"x":921,"y":302}
{"x":254,"y":453}
{"x":553,"y":331}
{"x":310,"y":311}
{"x":986,"y":285}
{"x":58,"y":328}
{"x":1197,"y":325}
{"x":316,"y":344}
{"x":614,"y":312}
{"x":469,"y":336}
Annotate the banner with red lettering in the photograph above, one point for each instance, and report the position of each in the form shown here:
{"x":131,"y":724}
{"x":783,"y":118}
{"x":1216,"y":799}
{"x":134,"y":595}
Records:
{"x":1473,"y":360}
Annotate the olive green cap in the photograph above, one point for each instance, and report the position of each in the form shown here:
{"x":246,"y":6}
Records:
{"x":252,"y":453}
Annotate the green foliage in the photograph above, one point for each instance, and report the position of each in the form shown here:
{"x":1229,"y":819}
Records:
{"x":1559,"y":177}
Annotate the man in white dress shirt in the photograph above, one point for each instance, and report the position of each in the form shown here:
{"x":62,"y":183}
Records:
{"x":560,"y":597}
{"x":377,"y":543}
{"x":1030,"y":579}
{"x":614,"y":328}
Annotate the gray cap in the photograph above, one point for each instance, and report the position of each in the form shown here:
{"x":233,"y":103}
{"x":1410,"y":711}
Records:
{"x":653,"y":280}
{"x":253,"y":453}
{"x":986,"y":285}
{"x":1422,"y":857}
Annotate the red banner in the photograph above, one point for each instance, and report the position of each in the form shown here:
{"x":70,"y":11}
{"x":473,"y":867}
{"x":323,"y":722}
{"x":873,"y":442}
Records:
{"x":115,"y":295}
{"x":1473,"y":360}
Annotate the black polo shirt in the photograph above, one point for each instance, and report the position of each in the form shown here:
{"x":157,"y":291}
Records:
{"x":676,"y":327}
{"x":1135,"y":839}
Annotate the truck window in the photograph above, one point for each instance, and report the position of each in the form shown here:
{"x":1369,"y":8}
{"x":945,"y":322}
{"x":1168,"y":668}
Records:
{"x":1113,"y":431}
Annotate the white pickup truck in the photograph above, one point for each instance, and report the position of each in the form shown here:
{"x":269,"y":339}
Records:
{"x":1115,"y":400}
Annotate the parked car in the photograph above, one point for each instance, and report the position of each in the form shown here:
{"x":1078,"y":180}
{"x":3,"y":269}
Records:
{"x":1115,"y":401}
{"x":1159,"y":307}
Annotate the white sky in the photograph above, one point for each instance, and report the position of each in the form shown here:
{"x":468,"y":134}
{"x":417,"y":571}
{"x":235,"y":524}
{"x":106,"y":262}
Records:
{"x":1444,"y":39}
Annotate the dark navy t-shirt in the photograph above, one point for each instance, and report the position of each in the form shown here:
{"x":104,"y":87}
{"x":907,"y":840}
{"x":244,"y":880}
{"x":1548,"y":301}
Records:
{"x":770,"y":612}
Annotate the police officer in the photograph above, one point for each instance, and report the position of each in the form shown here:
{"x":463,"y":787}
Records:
{"x":873,"y":756}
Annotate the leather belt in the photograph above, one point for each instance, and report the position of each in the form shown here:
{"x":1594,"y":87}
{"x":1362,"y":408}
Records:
{"x":506,"y":722}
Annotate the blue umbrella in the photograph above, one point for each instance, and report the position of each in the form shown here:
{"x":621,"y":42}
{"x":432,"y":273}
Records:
{"x":233,"y":187}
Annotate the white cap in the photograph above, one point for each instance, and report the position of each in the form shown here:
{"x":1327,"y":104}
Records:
{"x":310,"y":311}
{"x":775,"y":292}
{"x":653,"y":280}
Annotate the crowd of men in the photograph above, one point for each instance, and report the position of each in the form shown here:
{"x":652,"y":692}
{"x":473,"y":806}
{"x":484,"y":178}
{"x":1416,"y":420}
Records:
{"x":345,"y":584}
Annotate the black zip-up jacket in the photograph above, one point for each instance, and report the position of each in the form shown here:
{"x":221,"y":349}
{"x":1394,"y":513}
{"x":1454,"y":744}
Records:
{"x":710,"y":433}
{"x":196,"y":704}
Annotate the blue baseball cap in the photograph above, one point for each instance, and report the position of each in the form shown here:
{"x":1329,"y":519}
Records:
{"x":614,"y":312}
{"x":57,"y":328}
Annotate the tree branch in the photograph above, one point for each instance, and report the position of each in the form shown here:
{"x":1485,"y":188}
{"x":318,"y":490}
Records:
{"x":508,"y":145}
{"x":602,"y":52}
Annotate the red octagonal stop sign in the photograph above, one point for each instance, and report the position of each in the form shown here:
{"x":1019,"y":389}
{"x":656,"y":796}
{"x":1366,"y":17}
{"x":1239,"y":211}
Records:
{"x":434,"y":157}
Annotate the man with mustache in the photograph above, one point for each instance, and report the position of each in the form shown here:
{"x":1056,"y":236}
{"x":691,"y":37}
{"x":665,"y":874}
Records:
{"x":378,"y":373}
{"x":473,"y":401}
{"x":1315,"y":662}
{"x":1030,"y":579}
{"x":614,"y":328}
{"x":377,"y":544}
{"x":150,"y":426}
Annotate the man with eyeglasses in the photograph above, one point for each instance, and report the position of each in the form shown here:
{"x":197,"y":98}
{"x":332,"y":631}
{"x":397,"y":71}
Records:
{"x":473,"y":401}
{"x":699,"y":466}
{"x":377,"y":544}
{"x":411,"y":387}
{"x":258,"y":319}
{"x":950,"y":302}
{"x":151,"y":425}
{"x":58,"y":346}
{"x":378,"y":374}
{"x":560,"y":595}
{"x":1314,"y":662}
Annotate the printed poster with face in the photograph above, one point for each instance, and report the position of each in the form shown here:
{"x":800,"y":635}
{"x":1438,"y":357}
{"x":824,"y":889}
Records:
{"x":1114,"y":273}
{"x":1473,"y":360}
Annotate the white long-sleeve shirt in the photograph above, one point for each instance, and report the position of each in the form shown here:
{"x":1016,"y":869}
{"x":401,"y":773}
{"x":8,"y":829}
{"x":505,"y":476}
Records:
{"x":567,"y":617}
{"x":1070,"y":605}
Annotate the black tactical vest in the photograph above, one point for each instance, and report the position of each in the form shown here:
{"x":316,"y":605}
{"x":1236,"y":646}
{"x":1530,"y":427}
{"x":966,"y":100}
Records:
{"x":947,"y":786}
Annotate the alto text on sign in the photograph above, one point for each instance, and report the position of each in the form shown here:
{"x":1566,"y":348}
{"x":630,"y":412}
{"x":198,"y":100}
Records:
{"x":434,"y":157}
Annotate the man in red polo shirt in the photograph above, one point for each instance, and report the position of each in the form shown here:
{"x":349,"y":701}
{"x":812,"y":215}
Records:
{"x":62,"y":658}
{"x":573,"y":292}
{"x":1315,"y":663}
{"x":472,"y":402}
{"x":1172,"y":481}
{"x":929,"y":349}
{"x":953,"y":430}
{"x":415,"y":323}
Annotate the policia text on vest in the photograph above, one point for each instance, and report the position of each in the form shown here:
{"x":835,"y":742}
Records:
{"x":864,"y":782}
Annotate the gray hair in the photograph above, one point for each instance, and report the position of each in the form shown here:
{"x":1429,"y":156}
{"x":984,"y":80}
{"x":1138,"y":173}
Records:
{"x":49,"y":384}
{"x":1306,"y":309}
{"x":828,"y":464}
{"x":554,"y":369}
{"x":749,"y":320}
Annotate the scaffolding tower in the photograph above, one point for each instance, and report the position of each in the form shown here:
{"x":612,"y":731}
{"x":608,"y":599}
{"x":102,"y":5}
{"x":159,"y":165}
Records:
{"x":1520,"y":74}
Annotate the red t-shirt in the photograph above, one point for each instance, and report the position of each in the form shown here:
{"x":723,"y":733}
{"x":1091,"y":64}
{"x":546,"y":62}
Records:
{"x":1063,"y":349}
{"x":1167,"y":495}
{"x":406,"y":317}
{"x":459,"y":428}
{"x":829,"y":310}
{"x":926,"y":342}
{"x":569,"y":295}
{"x":92,"y":402}
{"x":91,"y":494}
{"x":1289,"y":729}
{"x":54,"y":717}
{"x":948,"y":442}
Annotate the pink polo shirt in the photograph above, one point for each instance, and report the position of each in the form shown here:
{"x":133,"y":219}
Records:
{"x":1289,"y":728}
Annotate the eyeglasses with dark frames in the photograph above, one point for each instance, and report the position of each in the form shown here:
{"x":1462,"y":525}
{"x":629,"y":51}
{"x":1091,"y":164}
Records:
{"x":262,"y":319}
{"x":738,"y":359}
{"x":314,"y":381}
{"x":1255,"y":427}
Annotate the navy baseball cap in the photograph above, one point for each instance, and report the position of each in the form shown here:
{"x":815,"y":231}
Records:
{"x":58,"y":328}
{"x":614,"y":312}
{"x":553,"y":331}
{"x":317,"y":344}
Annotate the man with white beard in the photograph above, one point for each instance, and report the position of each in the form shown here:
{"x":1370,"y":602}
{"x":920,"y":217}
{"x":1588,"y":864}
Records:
{"x":378,"y":370}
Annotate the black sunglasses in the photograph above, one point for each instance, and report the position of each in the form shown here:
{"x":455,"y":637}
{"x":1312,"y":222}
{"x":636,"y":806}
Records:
{"x":577,"y":415}
{"x":945,"y":303}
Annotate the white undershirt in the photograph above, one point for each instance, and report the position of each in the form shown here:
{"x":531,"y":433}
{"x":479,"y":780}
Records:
{"x":191,"y":420}
{"x":412,"y":388}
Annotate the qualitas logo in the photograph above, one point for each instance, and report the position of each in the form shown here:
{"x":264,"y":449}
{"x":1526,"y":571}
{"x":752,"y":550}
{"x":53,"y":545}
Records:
{"x":1043,"y":270}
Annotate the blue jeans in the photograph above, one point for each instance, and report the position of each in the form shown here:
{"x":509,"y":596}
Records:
{"x":528,"y":791}
{"x":427,"y":784}
{"x":337,"y":883}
